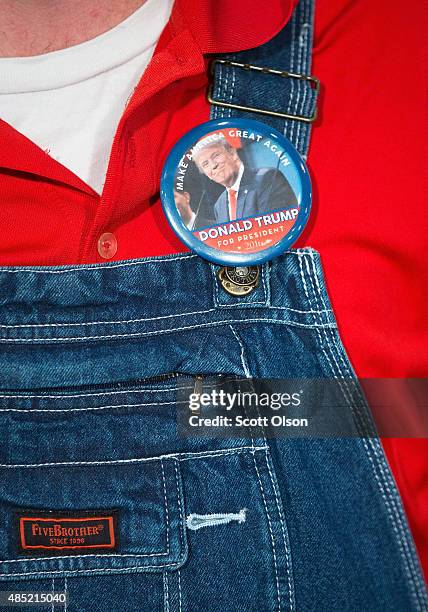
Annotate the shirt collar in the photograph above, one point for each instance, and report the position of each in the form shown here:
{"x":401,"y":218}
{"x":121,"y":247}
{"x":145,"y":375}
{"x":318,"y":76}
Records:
{"x":224,"y":26}
{"x":196,"y":27}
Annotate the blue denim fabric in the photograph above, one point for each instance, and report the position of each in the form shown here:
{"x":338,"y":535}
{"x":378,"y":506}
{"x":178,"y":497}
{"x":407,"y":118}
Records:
{"x":317,"y":524}
{"x":290,"y":50}
{"x":204,"y":524}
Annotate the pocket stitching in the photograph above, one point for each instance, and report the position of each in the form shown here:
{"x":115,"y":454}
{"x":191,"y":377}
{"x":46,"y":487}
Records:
{"x":287,"y":548}
{"x":115,"y":555}
{"x":176,"y":458}
{"x":278,"y":593}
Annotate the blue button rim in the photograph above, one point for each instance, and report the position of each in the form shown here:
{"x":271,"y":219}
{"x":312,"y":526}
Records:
{"x":215,"y":255}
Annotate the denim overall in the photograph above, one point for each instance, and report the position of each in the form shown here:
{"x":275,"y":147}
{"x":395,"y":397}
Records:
{"x":91,"y":359}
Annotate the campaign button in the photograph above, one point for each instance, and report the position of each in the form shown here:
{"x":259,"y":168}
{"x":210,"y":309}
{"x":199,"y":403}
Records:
{"x":236,"y":192}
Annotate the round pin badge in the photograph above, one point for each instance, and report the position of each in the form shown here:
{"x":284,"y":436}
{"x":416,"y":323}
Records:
{"x":236,"y":192}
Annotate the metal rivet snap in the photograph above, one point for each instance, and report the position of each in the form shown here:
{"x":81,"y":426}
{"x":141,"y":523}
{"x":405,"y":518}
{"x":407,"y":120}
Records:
{"x":239,"y":281}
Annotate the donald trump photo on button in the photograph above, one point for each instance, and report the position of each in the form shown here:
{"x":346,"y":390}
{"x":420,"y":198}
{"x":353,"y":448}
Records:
{"x":247,"y":191}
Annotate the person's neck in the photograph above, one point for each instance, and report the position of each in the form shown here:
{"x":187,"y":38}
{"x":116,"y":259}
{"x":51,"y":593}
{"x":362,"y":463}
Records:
{"x":235,"y":176}
{"x":34,"y":27}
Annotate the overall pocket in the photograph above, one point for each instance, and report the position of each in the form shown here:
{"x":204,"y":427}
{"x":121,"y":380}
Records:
{"x":196,"y":524}
{"x":85,"y":518}
{"x":240,"y":557}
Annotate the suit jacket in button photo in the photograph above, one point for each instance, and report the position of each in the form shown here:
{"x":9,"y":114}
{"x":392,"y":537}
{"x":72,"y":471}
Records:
{"x":261,"y":191}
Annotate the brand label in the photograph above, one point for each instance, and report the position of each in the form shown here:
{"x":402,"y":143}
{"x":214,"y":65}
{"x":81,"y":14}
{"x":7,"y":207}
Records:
{"x":67,"y":531}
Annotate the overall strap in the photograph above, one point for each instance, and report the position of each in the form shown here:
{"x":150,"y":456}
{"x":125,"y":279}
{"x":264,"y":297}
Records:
{"x":271,"y":83}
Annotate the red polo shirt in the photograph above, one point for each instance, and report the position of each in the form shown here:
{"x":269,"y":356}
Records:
{"x":366,"y":161}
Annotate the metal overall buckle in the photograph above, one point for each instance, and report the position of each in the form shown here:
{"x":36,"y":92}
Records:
{"x":239,"y":280}
{"x":314,"y":82}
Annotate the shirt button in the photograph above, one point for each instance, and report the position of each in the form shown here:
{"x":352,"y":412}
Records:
{"x":107,"y":245}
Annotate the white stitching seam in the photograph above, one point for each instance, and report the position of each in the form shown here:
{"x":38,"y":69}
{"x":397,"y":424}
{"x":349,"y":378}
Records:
{"x":218,"y":109}
{"x":242,"y":304}
{"x":302,"y":54}
{"x":134,"y":262}
{"x":288,"y":560}
{"x":266,"y":292}
{"x":282,"y":521}
{"x":116,"y":322}
{"x":349,"y":398}
{"x":163,"y":331}
{"x":87,"y":409}
{"x":165,"y":592}
{"x":214,"y":112}
{"x":182,"y":519}
{"x":166,"y":510}
{"x":179,"y":591}
{"x":269,"y":307}
{"x":180,"y":509}
{"x":106,"y":570}
{"x":179,"y":456}
{"x":224,"y":110}
{"x":215,"y":283}
{"x":172,"y":316}
{"x":157,"y":554}
{"x":391,"y":503}
{"x":129,"y":391}
{"x":272,"y":539}
{"x":321,"y":343}
{"x":301,"y":311}
{"x":289,"y":122}
{"x":296,"y":123}
{"x":232,"y":91}
{"x":362,"y":418}
{"x":243,"y":359}
{"x":225,"y":88}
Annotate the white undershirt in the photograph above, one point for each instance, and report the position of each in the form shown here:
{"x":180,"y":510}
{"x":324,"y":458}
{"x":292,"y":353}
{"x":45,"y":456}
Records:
{"x":69,"y":102}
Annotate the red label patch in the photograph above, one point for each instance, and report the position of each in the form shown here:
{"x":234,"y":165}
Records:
{"x":67,"y":531}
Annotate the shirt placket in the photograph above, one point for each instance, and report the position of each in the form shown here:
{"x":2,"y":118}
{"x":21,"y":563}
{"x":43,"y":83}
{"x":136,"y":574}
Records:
{"x":133,"y":172}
